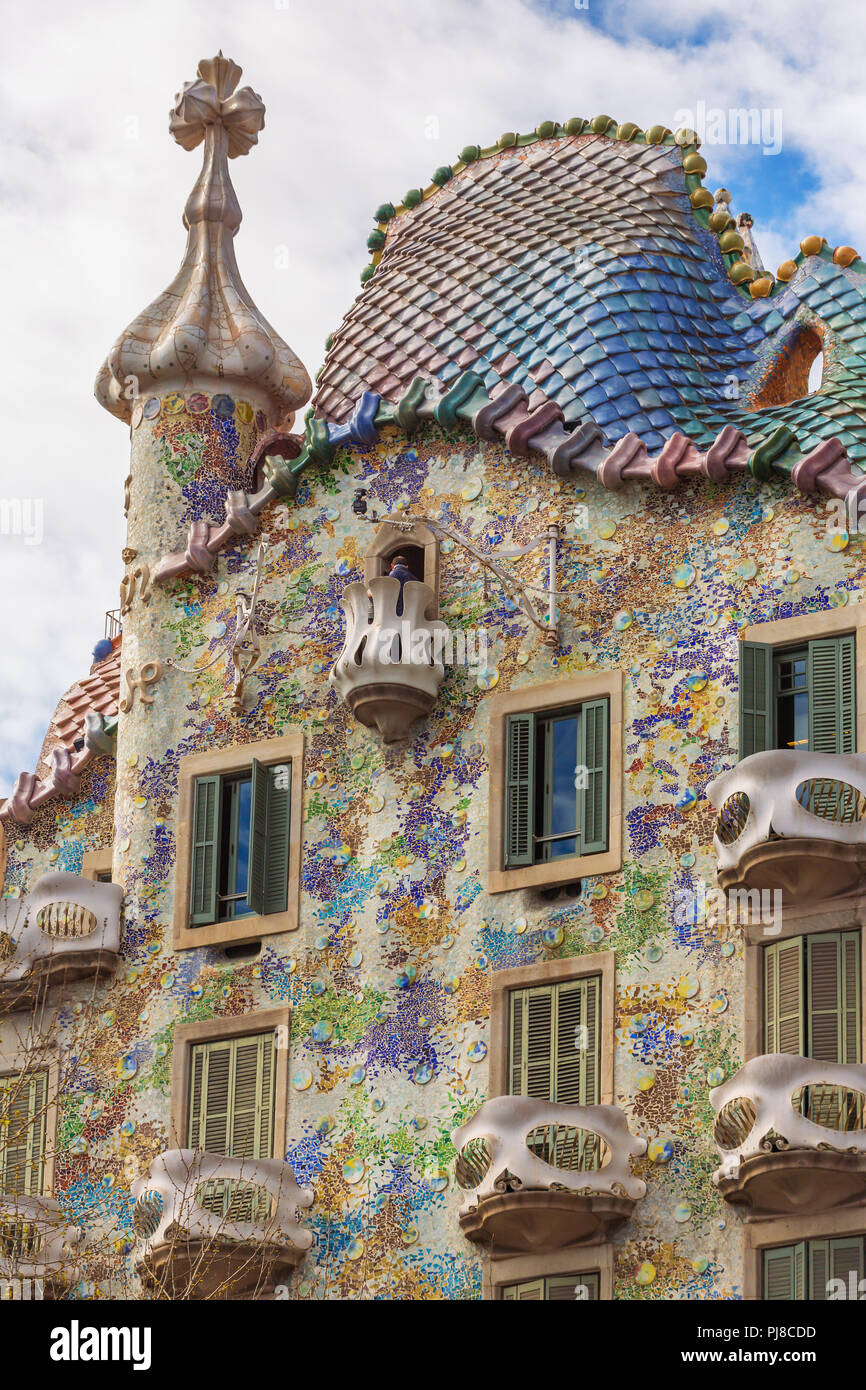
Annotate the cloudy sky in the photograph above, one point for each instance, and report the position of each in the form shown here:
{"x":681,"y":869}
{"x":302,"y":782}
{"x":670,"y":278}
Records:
{"x":364,"y":100}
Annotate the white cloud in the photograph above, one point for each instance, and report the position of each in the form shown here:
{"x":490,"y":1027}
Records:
{"x":92,"y":190}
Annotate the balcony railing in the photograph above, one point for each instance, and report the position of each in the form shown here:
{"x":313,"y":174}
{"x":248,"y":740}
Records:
{"x":211,"y":1226}
{"x":390,"y":669}
{"x":67,"y":927}
{"x":790,"y":1132}
{"x":792,"y":820}
{"x":37,"y":1242}
{"x":539,"y":1175}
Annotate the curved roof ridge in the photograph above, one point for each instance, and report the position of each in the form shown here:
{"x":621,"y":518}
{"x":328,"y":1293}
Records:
{"x":740,"y":273}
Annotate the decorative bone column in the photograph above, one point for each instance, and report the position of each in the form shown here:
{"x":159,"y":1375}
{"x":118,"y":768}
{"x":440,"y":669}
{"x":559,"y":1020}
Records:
{"x":200,"y":377}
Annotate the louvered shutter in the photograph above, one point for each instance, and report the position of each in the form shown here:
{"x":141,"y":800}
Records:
{"x":23,"y":1102}
{"x":519,"y":790}
{"x":576,"y":1069}
{"x":563,"y":1288}
{"x":232,"y":1097}
{"x":757,"y":733}
{"x":207,"y":795}
{"x":270,"y":828}
{"x":530,"y":1292}
{"x":531,"y":1059}
{"x":846,"y":1262}
{"x":851,"y":1005}
{"x":800,"y":1272}
{"x":210,"y":1097}
{"x":779,"y":1274}
{"x":593,"y":754}
{"x":819,"y":1269}
{"x":832,"y":695}
{"x":783,"y":997}
{"x":516,"y":1049}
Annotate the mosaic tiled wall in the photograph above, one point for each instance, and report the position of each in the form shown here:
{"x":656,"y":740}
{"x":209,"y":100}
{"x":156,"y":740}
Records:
{"x":389,"y":972}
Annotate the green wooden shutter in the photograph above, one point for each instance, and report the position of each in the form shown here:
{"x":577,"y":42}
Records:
{"x":783,"y":997}
{"x":833,"y":976}
{"x":757,"y":732}
{"x":851,"y":1004}
{"x":832,"y":695}
{"x":800,"y":1294}
{"x":270,"y":829}
{"x":516,"y":1049}
{"x":819,"y":1270}
{"x":531,"y":1059}
{"x":846,"y":1258}
{"x":576,"y":1070}
{"x":23,"y":1103}
{"x":563,"y":1288}
{"x":519,"y":790}
{"x":207,"y":797}
{"x":232,"y":1097}
{"x":593,"y":754}
{"x":779,"y":1274}
{"x":530,"y":1292}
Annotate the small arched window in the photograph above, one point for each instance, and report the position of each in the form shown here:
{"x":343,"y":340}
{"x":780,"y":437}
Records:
{"x":418,"y":546}
{"x":797,"y":370}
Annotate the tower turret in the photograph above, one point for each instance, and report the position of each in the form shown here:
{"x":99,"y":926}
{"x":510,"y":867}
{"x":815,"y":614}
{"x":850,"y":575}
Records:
{"x":201,"y":378}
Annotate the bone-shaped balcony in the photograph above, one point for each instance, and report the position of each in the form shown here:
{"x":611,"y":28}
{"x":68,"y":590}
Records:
{"x":791,"y":1132}
{"x":540,"y":1175}
{"x":38,"y":1246}
{"x":793,"y":821}
{"x":66,"y":928}
{"x":215,"y":1227}
{"x":390,"y":669}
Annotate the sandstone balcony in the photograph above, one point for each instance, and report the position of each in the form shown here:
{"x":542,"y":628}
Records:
{"x":215,"y":1227}
{"x":37,"y":1247}
{"x":66,"y":928}
{"x":793,"y":821}
{"x":540,"y":1175}
{"x":791,"y":1135}
{"x":390,"y":669}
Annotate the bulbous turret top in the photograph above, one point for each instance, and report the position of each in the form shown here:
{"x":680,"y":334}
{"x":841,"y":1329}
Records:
{"x":205,"y":325}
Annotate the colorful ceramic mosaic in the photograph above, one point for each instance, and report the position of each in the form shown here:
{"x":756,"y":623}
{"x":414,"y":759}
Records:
{"x":631,"y":331}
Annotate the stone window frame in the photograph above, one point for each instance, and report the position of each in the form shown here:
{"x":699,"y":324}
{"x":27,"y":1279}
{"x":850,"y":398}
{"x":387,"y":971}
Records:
{"x":802,"y":921}
{"x":552,"y":695}
{"x":96,"y":862}
{"x":187,"y":1035}
{"x":829,"y":622}
{"x":16,"y":1058}
{"x":549,"y":972}
{"x":388,"y":536}
{"x":238,"y":757}
{"x":774,"y":1231}
{"x":497,"y":1274}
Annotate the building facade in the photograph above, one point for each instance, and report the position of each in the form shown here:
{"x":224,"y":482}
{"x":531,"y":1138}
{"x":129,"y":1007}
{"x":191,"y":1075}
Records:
{"x":491,"y":929}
